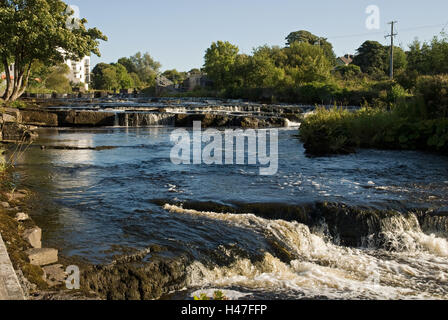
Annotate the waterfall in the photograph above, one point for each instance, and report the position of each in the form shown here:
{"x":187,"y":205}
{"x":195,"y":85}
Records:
{"x":139,"y":119}
{"x":318,"y":267}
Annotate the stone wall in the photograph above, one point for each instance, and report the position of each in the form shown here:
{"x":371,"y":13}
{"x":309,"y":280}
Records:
{"x":12,"y":128}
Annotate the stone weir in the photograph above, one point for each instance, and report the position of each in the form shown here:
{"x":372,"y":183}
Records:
{"x":178,"y":114}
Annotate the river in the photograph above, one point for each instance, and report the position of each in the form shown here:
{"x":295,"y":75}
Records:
{"x":96,"y":204}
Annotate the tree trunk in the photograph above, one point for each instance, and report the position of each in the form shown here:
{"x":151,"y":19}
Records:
{"x":8,"y":89}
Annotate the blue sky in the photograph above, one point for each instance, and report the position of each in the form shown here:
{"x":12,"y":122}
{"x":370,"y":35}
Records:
{"x":177,"y":32}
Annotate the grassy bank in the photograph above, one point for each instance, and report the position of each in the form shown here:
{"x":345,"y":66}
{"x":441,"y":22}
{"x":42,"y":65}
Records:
{"x":417,"y":122}
{"x":338,"y":131}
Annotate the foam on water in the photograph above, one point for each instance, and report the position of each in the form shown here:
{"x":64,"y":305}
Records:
{"x":322,"y":269}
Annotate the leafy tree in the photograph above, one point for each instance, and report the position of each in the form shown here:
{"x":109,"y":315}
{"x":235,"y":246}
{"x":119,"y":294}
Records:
{"x":194,"y":71}
{"x":429,"y":58}
{"x":128,"y":64}
{"x":348,"y":72}
{"x":219,"y":62}
{"x":303,"y":36}
{"x":146,"y":67}
{"x":306,"y":63}
{"x":57,"y":80}
{"x":110,"y":78}
{"x":262,"y":71}
{"x":98,"y":81}
{"x":175,"y":76}
{"x":33,"y":30}
{"x":371,"y":57}
{"x":400,"y":60}
{"x":124,"y":80}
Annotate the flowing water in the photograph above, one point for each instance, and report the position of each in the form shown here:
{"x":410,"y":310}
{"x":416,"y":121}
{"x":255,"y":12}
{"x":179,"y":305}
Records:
{"x":96,"y":204}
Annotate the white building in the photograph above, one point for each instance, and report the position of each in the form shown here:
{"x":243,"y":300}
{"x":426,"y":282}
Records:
{"x":79,"y":71}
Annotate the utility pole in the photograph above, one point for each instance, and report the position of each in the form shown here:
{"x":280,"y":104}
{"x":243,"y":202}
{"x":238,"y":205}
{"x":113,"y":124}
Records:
{"x":392,"y":35}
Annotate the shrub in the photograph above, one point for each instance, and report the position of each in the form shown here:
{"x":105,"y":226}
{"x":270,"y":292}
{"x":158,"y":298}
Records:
{"x":434,"y":92}
{"x":339,"y":131}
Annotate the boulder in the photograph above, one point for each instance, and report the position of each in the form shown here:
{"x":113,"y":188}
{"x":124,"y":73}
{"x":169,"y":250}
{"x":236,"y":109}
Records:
{"x":85,"y":118}
{"x":15,"y":196}
{"x":33,"y":237}
{"x":22,"y":216}
{"x":4,"y":205}
{"x":39,"y":118}
{"x":55,"y":274}
{"x":42,"y":257}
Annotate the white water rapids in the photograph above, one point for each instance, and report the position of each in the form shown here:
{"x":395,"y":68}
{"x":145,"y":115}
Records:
{"x":417,"y":268}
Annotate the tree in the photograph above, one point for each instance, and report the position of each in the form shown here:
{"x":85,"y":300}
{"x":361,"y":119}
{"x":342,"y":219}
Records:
{"x":146,"y":67}
{"x":33,"y":30}
{"x":219,"y":62}
{"x":194,"y":71}
{"x":349,"y":72}
{"x":303,"y":36}
{"x":371,"y":57}
{"x":429,"y":58}
{"x":175,"y":76}
{"x":110,"y":78}
{"x":400,"y":60}
{"x":262,"y":71}
{"x":307,"y":63}
{"x":98,"y":81}
{"x":124,"y":80}
{"x":57,"y":80}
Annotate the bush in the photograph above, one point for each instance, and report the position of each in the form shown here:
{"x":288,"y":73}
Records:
{"x":339,"y":131}
{"x":433,"y":90}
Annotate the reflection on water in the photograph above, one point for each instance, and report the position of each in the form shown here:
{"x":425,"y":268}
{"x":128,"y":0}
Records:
{"x":92,"y":201}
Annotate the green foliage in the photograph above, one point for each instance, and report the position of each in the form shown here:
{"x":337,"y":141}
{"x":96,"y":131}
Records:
{"x":429,"y":58}
{"x":145,"y":67}
{"x":371,"y":57}
{"x":433,"y":90}
{"x":303,"y":36}
{"x":219,"y":63}
{"x":37,"y":30}
{"x":348,"y":72}
{"x":306,"y":63}
{"x":57,"y":80}
{"x":175,"y":76}
{"x":339,"y":131}
{"x":217,"y":296}
{"x":138,"y":71}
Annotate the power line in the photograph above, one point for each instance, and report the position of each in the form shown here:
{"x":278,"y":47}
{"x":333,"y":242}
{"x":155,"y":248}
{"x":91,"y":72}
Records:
{"x":382,"y":32}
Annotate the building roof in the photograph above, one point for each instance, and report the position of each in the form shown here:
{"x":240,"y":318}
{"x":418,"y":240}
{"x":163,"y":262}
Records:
{"x":347,"y":59}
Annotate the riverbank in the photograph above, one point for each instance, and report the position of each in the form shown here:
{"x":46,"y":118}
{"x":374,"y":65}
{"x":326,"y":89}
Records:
{"x":413,"y":123}
{"x":40,"y":271}
{"x":338,"y":131}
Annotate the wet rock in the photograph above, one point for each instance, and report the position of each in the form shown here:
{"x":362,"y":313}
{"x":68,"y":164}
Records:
{"x":33,"y":237}
{"x":85,"y":118}
{"x":39,"y":118}
{"x":137,"y":280}
{"x":55,"y":274}
{"x":22,"y":216}
{"x":17,"y":132}
{"x":42,"y":257}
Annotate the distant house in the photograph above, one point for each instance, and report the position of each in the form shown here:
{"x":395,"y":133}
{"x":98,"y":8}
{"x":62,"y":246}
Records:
{"x":345,"y":60}
{"x":196,"y":80}
{"x":163,"y":85}
{"x":79,"y":71}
